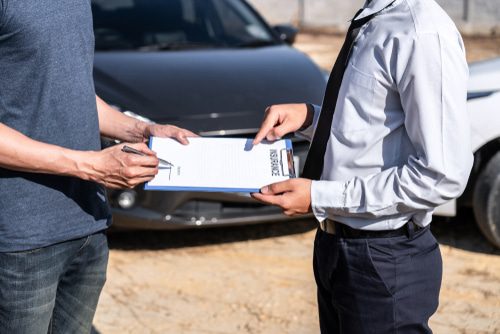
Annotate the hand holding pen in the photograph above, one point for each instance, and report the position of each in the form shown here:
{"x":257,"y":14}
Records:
{"x":115,"y":168}
{"x":128,"y":149}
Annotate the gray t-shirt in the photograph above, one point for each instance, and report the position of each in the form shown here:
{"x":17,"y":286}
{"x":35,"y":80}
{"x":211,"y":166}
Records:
{"x":47,"y":93}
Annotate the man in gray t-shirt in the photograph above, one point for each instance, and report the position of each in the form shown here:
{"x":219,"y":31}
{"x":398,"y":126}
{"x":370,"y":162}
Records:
{"x":53,"y":210}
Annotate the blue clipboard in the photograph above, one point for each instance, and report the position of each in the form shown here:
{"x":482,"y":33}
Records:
{"x":286,"y":164}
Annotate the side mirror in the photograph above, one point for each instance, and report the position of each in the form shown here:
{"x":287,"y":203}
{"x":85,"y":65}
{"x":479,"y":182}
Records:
{"x":287,"y":33}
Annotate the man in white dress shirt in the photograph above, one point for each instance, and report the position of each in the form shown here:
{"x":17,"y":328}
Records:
{"x":389,"y":144}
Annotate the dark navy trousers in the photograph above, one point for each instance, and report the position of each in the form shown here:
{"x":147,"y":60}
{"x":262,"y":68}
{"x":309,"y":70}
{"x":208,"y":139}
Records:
{"x":379,"y":285}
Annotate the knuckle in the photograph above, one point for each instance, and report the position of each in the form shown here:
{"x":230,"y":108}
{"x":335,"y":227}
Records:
{"x":127,"y":172}
{"x":129,"y":159}
{"x":271,"y":110}
{"x":279,"y":132}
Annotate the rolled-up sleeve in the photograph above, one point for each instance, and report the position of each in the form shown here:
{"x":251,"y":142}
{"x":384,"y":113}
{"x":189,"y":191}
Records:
{"x":431,"y":77}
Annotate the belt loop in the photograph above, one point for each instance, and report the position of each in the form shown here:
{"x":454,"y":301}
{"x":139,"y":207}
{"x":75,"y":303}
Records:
{"x":410,"y":226}
{"x":338,"y":229}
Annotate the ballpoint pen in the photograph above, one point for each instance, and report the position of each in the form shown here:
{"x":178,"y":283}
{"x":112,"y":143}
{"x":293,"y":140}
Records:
{"x":128,"y":149}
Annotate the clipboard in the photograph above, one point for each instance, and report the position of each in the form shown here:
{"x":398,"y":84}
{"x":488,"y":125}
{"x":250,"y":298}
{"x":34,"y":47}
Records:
{"x":210,"y":164}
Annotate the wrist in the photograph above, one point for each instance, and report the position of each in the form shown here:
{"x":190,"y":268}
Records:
{"x":141,"y":131}
{"x":309,"y":116}
{"x":81,"y":164}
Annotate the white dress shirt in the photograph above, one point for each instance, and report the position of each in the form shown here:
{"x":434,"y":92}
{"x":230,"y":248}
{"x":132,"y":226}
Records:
{"x":400,"y":142}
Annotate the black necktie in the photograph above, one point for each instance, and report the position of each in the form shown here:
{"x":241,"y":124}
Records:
{"x":313,"y":166}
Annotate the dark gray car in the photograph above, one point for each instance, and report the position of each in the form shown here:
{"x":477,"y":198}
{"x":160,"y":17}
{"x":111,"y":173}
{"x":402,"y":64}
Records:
{"x":211,"y":66}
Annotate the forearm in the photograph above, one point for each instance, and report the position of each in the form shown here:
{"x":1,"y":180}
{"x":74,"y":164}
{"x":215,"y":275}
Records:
{"x":21,"y":153}
{"x":396,"y":190}
{"x":114,"y":124}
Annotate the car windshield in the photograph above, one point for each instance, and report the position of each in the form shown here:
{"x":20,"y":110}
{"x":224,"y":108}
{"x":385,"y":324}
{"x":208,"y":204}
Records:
{"x":152,"y":25}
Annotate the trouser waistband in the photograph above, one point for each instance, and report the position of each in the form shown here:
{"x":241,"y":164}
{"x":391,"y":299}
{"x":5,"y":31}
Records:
{"x":344,"y":231}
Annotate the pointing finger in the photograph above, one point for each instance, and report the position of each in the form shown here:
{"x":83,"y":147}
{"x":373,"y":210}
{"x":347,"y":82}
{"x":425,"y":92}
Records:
{"x":267,"y":125}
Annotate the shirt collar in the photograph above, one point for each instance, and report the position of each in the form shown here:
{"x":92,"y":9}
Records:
{"x":372,"y":7}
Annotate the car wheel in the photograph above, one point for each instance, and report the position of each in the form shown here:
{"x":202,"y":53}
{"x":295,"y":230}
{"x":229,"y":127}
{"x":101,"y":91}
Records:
{"x":487,"y":200}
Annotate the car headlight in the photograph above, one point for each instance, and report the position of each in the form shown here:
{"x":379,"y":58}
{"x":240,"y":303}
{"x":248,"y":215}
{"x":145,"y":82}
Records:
{"x":138,"y":117}
{"x":126,"y":199}
{"x":133,"y":114}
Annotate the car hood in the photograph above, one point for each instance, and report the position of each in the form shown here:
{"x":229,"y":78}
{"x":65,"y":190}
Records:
{"x":207,"y":90}
{"x":484,"y":76}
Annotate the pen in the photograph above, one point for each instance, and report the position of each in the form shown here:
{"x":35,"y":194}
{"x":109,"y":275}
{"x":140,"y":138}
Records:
{"x":128,"y":149}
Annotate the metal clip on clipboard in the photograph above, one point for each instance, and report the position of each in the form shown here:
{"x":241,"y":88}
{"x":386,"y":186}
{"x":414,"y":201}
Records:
{"x":286,"y":155}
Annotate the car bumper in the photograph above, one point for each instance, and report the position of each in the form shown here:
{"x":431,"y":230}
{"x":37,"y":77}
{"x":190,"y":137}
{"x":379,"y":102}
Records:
{"x":158,"y":211}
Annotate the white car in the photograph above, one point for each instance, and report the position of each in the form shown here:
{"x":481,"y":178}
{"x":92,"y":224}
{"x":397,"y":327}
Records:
{"x":483,"y":190}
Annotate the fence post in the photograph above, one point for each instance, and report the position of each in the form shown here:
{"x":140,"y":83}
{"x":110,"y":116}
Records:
{"x":466,"y":16}
{"x":302,"y":13}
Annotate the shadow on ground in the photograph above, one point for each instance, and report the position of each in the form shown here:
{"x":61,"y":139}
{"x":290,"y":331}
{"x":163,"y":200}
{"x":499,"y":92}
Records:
{"x":459,"y":232}
{"x":462,"y":232}
{"x":152,"y":240}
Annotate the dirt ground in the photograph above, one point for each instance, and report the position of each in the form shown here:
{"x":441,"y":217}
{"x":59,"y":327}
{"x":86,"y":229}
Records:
{"x":258,"y":279}
{"x":323,"y":47}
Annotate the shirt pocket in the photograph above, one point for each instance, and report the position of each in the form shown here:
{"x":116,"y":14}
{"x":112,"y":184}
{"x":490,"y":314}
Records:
{"x":355,"y":103}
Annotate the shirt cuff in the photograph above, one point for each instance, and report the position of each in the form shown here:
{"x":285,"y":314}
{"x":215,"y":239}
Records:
{"x":326,"y":196}
{"x":308,"y":133}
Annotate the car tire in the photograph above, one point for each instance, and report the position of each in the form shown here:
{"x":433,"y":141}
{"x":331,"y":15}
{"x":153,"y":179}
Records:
{"x":486,"y":200}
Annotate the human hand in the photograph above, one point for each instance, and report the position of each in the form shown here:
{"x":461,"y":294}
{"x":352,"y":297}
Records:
{"x":293,"y":196}
{"x":169,"y":131}
{"x":282,"y":119}
{"x":118,"y":170}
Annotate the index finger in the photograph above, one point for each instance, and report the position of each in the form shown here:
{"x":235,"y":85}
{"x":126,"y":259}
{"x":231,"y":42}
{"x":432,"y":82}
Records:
{"x":183,"y":135}
{"x":267,"y":125}
{"x":143,"y":160}
{"x":191,"y":134}
{"x":143,"y":148}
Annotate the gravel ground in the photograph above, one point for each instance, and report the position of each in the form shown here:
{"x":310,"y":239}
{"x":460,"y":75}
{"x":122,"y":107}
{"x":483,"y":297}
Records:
{"x":258,"y":279}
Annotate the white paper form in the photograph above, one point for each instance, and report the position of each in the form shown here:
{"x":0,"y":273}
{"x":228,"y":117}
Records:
{"x":221,"y":164}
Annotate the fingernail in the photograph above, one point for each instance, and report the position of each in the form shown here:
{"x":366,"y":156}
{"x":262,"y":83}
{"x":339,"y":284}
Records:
{"x":264,"y":190}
